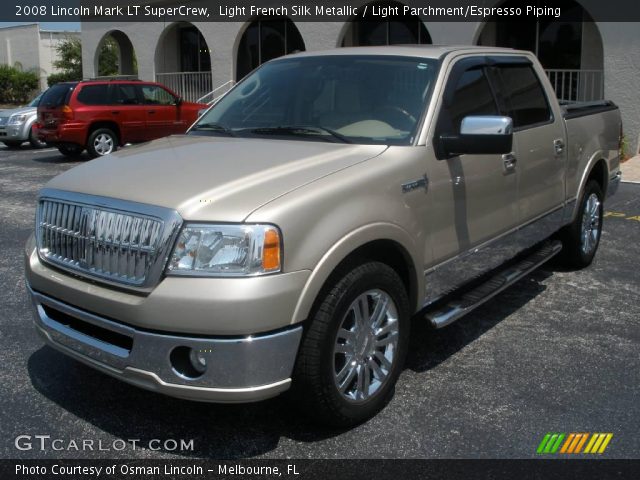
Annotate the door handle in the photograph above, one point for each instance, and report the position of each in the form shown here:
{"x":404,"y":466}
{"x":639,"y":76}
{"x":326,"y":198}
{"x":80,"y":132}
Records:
{"x":115,"y":112}
{"x":151,"y":111}
{"x":509,"y":161}
{"x":558,"y":146}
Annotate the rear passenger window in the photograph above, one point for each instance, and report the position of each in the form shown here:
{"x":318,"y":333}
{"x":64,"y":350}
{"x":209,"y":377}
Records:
{"x":524,"y":97}
{"x":125,"y":94}
{"x":94,"y":95}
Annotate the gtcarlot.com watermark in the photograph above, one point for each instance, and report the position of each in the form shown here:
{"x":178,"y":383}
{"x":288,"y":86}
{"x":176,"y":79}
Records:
{"x":43,"y":443}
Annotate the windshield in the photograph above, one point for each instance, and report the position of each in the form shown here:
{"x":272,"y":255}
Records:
{"x":343,"y":98}
{"x":34,"y":102}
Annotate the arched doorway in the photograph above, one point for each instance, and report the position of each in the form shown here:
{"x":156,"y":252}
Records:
{"x":115,"y":55}
{"x":265,"y":39}
{"x":569,"y":47}
{"x":392,"y":30}
{"x":183,"y":61}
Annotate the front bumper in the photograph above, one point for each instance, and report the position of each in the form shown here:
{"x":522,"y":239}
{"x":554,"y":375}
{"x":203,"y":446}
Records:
{"x":15,"y":133}
{"x":242,"y":369}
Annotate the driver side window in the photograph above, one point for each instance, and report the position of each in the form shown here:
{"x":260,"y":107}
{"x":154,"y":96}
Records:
{"x":473,"y":96}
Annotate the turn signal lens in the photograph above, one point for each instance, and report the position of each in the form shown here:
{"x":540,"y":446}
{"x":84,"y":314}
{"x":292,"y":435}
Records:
{"x":67,"y":112}
{"x":271,"y":251}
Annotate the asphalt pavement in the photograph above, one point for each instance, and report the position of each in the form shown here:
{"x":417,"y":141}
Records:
{"x":558,"y":352}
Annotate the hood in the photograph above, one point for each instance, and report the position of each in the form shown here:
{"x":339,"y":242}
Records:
{"x":211,"y":178}
{"x":13,"y":111}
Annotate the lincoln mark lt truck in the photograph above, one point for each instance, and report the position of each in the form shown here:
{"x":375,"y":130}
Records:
{"x":284,"y":241}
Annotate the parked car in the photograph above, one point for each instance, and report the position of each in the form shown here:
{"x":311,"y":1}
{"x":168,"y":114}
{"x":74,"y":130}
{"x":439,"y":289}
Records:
{"x":16,"y":125}
{"x":288,"y":238}
{"x":101,"y":116}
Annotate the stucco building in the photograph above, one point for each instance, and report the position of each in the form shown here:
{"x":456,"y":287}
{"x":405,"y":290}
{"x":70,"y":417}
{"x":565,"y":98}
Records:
{"x":31,"y":48}
{"x":585,"y":60}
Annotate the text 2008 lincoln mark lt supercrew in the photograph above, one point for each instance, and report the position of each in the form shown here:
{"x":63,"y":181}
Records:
{"x":285,"y":241}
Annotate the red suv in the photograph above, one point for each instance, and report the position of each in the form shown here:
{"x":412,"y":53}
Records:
{"x":103,"y":115}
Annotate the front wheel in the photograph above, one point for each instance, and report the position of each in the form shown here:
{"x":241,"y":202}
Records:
{"x":35,"y":141}
{"x":581,"y":238}
{"x":354,"y":348}
{"x":12,"y":144}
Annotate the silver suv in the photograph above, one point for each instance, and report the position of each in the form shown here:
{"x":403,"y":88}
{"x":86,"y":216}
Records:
{"x":16,"y":125}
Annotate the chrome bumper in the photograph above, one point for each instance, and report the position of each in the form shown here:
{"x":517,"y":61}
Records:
{"x":242,"y":369}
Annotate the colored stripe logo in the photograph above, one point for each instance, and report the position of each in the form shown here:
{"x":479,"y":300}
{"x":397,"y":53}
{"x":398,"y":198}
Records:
{"x":572,"y":443}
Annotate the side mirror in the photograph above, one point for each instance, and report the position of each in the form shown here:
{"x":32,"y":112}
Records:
{"x":178,"y":101}
{"x":479,"y":135}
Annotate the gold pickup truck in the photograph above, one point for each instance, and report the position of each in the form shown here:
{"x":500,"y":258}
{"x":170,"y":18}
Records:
{"x":285,"y":241}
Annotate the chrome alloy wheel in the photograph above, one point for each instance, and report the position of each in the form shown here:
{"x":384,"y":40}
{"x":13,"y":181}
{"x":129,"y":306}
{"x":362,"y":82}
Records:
{"x":590,"y":229}
{"x":103,"y":144}
{"x":366,"y":345}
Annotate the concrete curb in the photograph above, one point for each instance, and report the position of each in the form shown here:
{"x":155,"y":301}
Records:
{"x":631,"y":170}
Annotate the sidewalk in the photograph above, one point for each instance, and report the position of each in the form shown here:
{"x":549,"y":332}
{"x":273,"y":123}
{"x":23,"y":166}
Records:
{"x":631,"y":170}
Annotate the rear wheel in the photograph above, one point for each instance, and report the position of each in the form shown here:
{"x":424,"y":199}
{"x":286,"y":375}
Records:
{"x":102,"y":142}
{"x":581,"y":238}
{"x":70,"y":150}
{"x":354,"y":348}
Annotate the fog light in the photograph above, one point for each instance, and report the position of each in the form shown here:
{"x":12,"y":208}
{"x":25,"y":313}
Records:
{"x":198,"y":360}
{"x":188,"y":363}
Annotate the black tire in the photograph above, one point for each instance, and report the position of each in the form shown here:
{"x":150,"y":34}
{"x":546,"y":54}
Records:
{"x":102,"y":141}
{"x":577,"y":250}
{"x":71,"y":151}
{"x":12,"y":144}
{"x":35,"y":141}
{"x":315,"y":388}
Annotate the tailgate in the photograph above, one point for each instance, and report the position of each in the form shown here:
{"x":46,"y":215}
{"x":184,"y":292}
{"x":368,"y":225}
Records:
{"x":53,"y":107}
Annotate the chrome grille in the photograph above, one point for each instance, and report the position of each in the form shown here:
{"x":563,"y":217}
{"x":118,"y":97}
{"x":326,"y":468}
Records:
{"x":3,"y":120}
{"x":114,"y":245}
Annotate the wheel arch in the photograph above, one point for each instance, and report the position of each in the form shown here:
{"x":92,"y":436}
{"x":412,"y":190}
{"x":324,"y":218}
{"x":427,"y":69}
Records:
{"x":110,"y":124}
{"x":597,"y":169}
{"x":386,"y":243}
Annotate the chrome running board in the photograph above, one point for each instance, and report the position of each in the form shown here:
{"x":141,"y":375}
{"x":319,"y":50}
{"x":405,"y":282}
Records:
{"x":447,"y":313}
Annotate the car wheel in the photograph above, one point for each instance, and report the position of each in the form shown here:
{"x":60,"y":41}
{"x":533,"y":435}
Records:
{"x":70,"y":150}
{"x":35,"y":141}
{"x":102,"y":142}
{"x":354,"y":348}
{"x":581,"y":238}
{"x":13,"y":144}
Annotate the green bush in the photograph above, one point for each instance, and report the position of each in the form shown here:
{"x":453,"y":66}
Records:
{"x":17,"y":86}
{"x":61,"y":77}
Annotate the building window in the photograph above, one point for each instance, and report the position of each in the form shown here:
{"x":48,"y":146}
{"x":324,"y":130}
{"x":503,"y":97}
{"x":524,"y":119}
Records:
{"x":556,"y":42}
{"x":264,"y":40}
{"x":392,"y":30}
{"x":194,"y":52}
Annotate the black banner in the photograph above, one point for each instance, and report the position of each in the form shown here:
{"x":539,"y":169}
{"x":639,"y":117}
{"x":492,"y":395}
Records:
{"x":308,"y":10}
{"x":321,"y":469}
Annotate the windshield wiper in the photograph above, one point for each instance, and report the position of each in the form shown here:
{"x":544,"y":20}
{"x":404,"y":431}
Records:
{"x":213,"y":127}
{"x":304,"y":130}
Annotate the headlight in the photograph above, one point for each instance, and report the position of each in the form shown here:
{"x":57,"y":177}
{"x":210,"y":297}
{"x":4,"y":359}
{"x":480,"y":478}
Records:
{"x":226,"y":250}
{"x":17,"y":119}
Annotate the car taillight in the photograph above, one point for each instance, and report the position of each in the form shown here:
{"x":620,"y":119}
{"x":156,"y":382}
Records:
{"x":67,"y":112}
